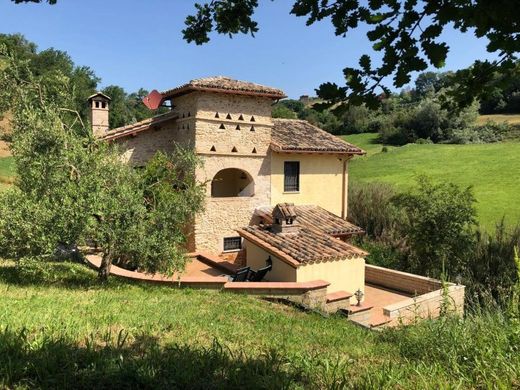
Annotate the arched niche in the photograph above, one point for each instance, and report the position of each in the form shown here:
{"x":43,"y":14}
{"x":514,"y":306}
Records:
{"x":232,"y":183}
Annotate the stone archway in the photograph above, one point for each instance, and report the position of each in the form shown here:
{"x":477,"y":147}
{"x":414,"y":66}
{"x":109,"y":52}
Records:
{"x":232,"y":183}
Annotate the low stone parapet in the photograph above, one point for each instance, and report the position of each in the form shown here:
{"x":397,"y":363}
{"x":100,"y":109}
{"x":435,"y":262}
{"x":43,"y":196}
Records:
{"x":427,"y":305}
{"x":400,"y":281}
{"x":311,"y":294}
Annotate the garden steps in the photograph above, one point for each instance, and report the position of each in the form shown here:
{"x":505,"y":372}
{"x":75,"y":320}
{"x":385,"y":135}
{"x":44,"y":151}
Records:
{"x":337,"y":300}
{"x":378,"y":319}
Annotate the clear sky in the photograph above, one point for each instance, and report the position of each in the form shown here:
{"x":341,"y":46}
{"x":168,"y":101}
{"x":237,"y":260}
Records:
{"x":138,"y":43}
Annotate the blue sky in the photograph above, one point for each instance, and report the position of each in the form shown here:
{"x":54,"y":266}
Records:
{"x":136,"y":43}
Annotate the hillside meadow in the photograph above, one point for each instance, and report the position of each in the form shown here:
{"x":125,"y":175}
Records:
{"x":59,"y":328}
{"x":491,"y":169}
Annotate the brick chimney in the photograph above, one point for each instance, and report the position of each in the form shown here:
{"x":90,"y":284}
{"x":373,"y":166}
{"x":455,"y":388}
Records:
{"x":99,"y":105}
{"x":285,"y":219}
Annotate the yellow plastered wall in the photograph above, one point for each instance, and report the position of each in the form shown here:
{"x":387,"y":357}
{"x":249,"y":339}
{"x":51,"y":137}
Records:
{"x":256,"y":257}
{"x":321,"y":180}
{"x":343,"y":275}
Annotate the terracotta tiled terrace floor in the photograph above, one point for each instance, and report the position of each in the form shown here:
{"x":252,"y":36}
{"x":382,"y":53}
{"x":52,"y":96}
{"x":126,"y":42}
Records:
{"x":198,"y":268}
{"x":379,"y":297}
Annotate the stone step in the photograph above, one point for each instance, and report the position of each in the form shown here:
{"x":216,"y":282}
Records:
{"x":338,"y":296}
{"x":337,"y":300}
{"x":378,"y":319}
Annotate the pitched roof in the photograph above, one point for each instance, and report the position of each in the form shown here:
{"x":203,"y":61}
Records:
{"x":137,"y":127}
{"x":226,"y":85}
{"x":294,"y":135}
{"x":285,"y":210}
{"x":99,"y":94}
{"x":316,"y":218}
{"x":306,"y":247}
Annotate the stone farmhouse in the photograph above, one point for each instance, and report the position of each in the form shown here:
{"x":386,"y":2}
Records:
{"x":276,"y":188}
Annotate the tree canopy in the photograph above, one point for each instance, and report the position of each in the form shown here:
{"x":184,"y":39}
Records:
{"x":72,"y":189}
{"x":407,"y":32}
{"x":51,"y":64}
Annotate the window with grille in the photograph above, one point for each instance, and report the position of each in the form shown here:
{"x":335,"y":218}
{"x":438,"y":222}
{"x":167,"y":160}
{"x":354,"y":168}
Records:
{"x":291,"y":176}
{"x":232,"y":243}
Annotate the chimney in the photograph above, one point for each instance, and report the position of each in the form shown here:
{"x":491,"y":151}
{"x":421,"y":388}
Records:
{"x":285,"y":219}
{"x":99,"y":108}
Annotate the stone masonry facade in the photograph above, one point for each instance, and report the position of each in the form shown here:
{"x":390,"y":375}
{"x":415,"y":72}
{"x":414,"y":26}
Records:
{"x":227,"y":131}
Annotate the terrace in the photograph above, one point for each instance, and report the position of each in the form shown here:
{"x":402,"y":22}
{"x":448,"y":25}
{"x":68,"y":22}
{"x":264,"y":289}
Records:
{"x":390,"y":297}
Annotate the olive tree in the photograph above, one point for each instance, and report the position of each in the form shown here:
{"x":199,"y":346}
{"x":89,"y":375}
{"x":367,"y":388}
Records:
{"x":72,"y":189}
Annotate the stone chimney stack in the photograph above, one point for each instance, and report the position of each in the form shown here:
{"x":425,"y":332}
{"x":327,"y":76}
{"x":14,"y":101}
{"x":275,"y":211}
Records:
{"x":285,"y":219}
{"x":99,"y":108}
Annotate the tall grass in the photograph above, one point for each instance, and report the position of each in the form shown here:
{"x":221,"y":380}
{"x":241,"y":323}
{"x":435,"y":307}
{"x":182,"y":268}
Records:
{"x":59,"y":328}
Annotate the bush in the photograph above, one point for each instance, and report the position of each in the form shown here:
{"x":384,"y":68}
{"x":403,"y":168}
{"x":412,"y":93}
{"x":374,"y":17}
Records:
{"x":438,"y":227}
{"x":370,"y":207}
{"x":487,"y":133}
{"x":491,"y":273}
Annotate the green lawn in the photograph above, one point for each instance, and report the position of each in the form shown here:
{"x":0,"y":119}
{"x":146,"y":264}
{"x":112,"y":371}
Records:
{"x":60,"y":329}
{"x":6,"y":171}
{"x":492,"y":169}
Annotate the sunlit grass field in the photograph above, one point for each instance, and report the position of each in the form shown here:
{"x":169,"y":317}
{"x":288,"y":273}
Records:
{"x":493,"y":170}
{"x":59,"y":328}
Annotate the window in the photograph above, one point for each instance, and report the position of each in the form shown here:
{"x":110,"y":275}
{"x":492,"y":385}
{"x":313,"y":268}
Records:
{"x":103,"y":104}
{"x":291,"y":176}
{"x":97,"y":104}
{"x":232,"y":243}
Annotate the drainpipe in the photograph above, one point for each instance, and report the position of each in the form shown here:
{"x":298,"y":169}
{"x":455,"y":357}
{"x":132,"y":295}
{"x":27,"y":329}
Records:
{"x":344,"y":189}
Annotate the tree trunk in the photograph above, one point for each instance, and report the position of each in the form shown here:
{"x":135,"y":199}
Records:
{"x":104,"y":268}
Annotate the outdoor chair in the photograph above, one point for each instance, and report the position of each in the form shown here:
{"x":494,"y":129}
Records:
{"x":259,"y":275}
{"x":241,"y":275}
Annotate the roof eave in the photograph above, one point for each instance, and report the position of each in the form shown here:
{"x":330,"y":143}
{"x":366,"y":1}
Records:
{"x":191,"y":88}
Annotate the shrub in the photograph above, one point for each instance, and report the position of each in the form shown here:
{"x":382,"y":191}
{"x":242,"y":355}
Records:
{"x":371,"y":207}
{"x":491,"y":272}
{"x":438,"y":227}
{"x":487,"y":133}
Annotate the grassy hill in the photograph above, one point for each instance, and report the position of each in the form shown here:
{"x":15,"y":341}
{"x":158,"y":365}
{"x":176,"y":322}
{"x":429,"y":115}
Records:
{"x":492,"y":170}
{"x":60,"y":329}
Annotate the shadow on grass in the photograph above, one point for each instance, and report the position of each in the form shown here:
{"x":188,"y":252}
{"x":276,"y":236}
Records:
{"x":57,"y":363}
{"x":51,"y":274}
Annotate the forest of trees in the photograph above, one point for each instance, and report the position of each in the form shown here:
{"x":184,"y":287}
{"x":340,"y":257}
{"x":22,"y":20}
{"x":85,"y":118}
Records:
{"x":125,"y":108}
{"x":421,"y":113}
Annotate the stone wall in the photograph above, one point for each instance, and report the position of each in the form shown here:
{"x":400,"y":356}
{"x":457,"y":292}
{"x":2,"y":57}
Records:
{"x":243,"y":125}
{"x":400,"y":281}
{"x":427,"y":305}
{"x":222,"y":216}
{"x":138,"y":149}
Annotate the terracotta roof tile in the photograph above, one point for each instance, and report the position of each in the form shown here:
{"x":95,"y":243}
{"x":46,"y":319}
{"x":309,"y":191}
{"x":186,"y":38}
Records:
{"x":285,"y":210}
{"x":316,"y":218}
{"x":306,"y":246}
{"x":137,"y":127}
{"x":225,"y":84}
{"x":294,"y":135}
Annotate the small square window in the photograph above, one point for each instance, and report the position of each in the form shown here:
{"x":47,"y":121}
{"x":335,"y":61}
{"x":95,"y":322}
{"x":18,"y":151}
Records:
{"x":232,"y":243}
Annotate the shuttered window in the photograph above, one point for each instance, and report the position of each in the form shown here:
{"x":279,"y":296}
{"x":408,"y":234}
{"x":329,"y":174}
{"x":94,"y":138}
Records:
{"x":291,"y":176}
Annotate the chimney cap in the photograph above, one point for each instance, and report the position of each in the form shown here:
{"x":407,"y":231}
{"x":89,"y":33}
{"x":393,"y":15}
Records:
{"x":285,"y":210}
{"x":99,"y":94}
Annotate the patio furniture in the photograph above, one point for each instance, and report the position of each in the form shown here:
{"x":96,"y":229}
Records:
{"x":241,"y":275}
{"x":259,"y":275}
